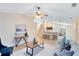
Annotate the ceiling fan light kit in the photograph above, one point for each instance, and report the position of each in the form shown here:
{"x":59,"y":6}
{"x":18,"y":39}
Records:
{"x":39,"y":14}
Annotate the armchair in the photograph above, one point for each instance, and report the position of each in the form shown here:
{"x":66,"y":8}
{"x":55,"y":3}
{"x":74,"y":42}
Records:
{"x":4,"y":50}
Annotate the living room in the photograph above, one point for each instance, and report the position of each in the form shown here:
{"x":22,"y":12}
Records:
{"x":49,"y":22}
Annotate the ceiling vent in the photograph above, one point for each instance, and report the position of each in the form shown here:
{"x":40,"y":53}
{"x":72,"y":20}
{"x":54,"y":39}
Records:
{"x":74,"y":4}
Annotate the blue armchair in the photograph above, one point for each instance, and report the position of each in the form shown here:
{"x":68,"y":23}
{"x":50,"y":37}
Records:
{"x":4,"y":50}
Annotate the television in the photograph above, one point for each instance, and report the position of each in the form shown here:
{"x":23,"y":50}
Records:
{"x":49,"y":28}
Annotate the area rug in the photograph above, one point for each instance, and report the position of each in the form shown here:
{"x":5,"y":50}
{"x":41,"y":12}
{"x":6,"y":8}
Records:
{"x":46,"y":51}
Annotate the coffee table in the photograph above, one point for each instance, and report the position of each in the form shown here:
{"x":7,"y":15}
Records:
{"x":32,"y":46}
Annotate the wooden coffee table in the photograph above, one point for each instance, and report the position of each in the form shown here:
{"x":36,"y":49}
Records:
{"x":32,"y":46}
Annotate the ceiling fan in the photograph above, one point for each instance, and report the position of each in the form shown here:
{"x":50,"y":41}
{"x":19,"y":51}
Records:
{"x":36,"y":12}
{"x":39,"y":14}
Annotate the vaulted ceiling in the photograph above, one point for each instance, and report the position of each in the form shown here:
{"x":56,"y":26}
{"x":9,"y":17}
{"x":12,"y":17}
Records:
{"x":62,"y":12}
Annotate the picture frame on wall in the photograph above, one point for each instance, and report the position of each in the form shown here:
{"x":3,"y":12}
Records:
{"x":20,"y":29}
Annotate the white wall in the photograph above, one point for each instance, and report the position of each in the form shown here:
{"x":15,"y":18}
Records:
{"x":7,"y":26}
{"x":58,"y":25}
{"x":68,"y":29}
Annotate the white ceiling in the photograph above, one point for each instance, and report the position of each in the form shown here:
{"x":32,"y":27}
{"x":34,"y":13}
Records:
{"x":63,"y":12}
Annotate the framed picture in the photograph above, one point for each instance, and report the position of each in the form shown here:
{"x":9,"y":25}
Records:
{"x":20,"y":28}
